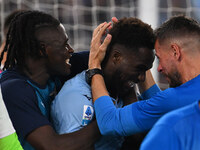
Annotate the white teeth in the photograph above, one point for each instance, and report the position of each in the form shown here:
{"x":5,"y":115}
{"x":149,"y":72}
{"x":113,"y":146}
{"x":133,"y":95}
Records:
{"x":67,"y":61}
{"x":131,"y":84}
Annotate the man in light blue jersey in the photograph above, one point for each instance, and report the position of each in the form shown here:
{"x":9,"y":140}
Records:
{"x":177,"y":130}
{"x":130,"y":54}
{"x":178,"y":50}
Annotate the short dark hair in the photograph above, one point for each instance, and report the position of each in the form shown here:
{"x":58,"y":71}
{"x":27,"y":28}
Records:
{"x":21,"y":40}
{"x":177,"y":26}
{"x":131,"y":33}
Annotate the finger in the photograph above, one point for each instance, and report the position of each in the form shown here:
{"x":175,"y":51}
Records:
{"x":106,"y":42}
{"x":114,"y":20}
{"x":102,"y":31}
{"x":98,"y":28}
{"x":110,"y":27}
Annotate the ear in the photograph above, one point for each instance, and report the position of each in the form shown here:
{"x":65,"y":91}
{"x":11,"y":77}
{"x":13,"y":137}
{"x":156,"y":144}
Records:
{"x":43,"y":49}
{"x":176,"y":51}
{"x":116,"y":57}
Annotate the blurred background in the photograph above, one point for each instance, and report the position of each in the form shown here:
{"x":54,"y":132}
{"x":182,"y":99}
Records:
{"x":80,"y":17}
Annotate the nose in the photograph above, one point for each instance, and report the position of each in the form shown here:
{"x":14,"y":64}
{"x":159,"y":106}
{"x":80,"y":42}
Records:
{"x":70,"y":49}
{"x":159,"y":69}
{"x":142,"y":76}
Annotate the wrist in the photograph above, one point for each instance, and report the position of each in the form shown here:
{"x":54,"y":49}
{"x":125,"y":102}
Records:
{"x":90,"y":73}
{"x":94,"y":65}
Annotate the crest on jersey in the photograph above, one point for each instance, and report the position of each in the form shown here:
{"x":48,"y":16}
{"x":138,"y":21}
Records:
{"x":88,"y":113}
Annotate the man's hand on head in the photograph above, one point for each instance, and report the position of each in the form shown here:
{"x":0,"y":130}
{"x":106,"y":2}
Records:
{"x":98,"y":48}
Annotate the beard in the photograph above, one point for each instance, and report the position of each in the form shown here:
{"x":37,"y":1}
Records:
{"x":174,"y":79}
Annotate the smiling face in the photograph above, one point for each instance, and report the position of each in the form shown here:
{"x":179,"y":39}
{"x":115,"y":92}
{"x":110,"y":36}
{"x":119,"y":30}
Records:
{"x":58,"y":50}
{"x":125,"y":68}
{"x":167,"y":65}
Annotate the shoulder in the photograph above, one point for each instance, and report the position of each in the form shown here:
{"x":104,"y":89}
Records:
{"x":79,"y":62}
{"x":166,"y":94}
{"x":13,"y":84}
{"x":163,"y":101}
{"x":76,"y":84}
{"x":160,"y":101}
{"x":178,"y":116}
{"x":75,"y":93}
{"x":160,"y":136}
{"x":21,"y":102}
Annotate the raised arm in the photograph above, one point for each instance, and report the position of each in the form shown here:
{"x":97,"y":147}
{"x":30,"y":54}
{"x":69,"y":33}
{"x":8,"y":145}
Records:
{"x":99,"y":91}
{"x":97,"y":54}
{"x":108,"y":116}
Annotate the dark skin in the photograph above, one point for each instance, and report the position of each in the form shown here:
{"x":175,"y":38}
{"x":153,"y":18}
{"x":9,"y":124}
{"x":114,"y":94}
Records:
{"x":124,"y":67}
{"x":133,"y":142}
{"x":46,"y":138}
{"x":130,"y":65}
{"x":97,"y":54}
{"x":39,"y":70}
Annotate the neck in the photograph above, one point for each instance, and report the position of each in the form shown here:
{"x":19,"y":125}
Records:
{"x":111,"y":90}
{"x":190,"y":70}
{"x":36,"y":71}
{"x":110,"y":87}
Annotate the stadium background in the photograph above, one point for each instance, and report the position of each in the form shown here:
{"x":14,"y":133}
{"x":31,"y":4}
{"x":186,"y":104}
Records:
{"x":80,"y":17}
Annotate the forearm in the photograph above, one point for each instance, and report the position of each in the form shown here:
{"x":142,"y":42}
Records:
{"x":46,"y":138}
{"x":109,"y":120}
{"x":98,"y":87}
{"x":83,"y":139}
{"x":97,"y":54}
